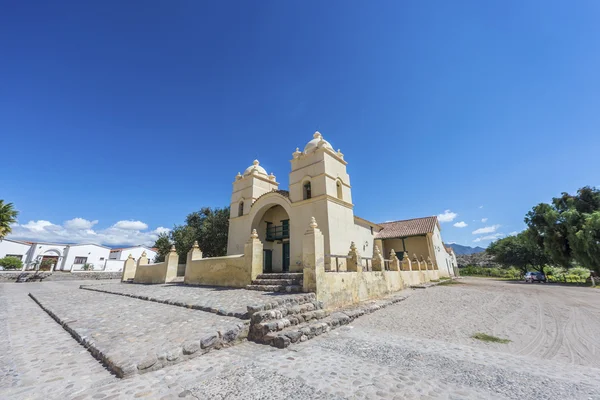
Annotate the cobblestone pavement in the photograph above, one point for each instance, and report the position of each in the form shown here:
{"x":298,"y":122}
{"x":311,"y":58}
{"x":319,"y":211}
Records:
{"x":358,"y":361}
{"x":223,"y":301}
{"x":135,"y":336}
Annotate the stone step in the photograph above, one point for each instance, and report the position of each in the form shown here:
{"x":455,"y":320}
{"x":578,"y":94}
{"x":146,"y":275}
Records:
{"x":314,"y":327}
{"x":281,"y":275}
{"x":276,"y":288}
{"x":286,"y":310}
{"x":268,"y":326}
{"x":284,"y":282}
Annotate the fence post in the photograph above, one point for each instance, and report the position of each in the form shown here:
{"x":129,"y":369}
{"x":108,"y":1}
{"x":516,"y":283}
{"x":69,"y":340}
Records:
{"x":377,"y":263}
{"x":313,"y":259}
{"x":394,"y":262}
{"x":253,"y":253}
{"x":354,"y":263}
{"x":129,"y":268}
{"x":172,"y":261}
{"x":195,"y":253}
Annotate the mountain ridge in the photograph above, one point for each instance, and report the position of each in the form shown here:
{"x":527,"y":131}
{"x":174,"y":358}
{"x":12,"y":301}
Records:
{"x":461,"y":250}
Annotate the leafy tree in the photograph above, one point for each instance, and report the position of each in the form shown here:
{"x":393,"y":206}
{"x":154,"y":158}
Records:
{"x":208,"y":226}
{"x":586,"y":242}
{"x":569,"y":229}
{"x":211,"y":227}
{"x":8,"y":216}
{"x":11,"y":263}
{"x":520,"y":251}
{"x":163,"y":245}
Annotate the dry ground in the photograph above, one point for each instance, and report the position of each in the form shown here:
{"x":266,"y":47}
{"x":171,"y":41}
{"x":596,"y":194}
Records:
{"x":420,"y":348}
{"x":546,"y":321}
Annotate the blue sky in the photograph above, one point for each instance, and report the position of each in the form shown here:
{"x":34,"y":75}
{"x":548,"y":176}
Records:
{"x":119,"y":118}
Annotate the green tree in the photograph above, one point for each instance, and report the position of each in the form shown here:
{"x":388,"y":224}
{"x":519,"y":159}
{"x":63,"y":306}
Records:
{"x":212,"y":228}
{"x":568,"y":229}
{"x":11,"y":263}
{"x":208,"y":226}
{"x":163,"y":245}
{"x":8,"y":216}
{"x":520,"y":251}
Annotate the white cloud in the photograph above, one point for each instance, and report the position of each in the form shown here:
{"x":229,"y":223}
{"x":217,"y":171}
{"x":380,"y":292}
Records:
{"x":487,"y":229}
{"x":161,"y":229}
{"x":41,"y":225}
{"x":131,"y":225}
{"x":514,"y":233}
{"x":79,"y":223}
{"x":461,"y":224}
{"x":490,"y":237}
{"x":447,"y":216}
{"x":79,"y":230}
{"x":480,"y":206}
{"x":484,"y":220}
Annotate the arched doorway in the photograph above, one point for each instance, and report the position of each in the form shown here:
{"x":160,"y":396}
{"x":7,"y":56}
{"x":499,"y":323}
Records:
{"x":49,"y":260}
{"x":273,"y":227}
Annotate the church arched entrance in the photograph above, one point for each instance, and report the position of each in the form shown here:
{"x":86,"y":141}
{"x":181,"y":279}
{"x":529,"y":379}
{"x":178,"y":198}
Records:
{"x":273,"y":227}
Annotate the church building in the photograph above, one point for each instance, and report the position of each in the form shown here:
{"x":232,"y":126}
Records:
{"x":319,"y":187}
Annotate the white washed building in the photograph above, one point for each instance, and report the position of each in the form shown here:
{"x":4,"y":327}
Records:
{"x":135,"y":251}
{"x":64,"y":257}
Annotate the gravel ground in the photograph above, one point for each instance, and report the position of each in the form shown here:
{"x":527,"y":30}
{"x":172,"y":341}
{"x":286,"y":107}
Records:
{"x":417,"y":349}
{"x":543,"y":321}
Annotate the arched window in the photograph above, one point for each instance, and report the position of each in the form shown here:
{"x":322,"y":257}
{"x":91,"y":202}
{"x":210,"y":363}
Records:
{"x":338,"y":185}
{"x":241,"y":209}
{"x":307,"y":191}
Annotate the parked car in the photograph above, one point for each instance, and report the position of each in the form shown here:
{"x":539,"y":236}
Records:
{"x":531,"y":277}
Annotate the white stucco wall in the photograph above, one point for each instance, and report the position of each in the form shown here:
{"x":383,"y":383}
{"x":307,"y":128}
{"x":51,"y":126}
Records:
{"x":95,"y":254}
{"x":364,"y":240}
{"x":136,"y":253}
{"x":443,"y":259}
{"x":9,"y":247}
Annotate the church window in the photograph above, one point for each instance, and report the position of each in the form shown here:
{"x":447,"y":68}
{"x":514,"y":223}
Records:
{"x":307,"y":191}
{"x":241,"y":209}
{"x":338,"y":184}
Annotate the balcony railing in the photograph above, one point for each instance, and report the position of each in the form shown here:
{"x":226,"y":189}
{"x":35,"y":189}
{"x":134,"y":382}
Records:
{"x":278,"y":232}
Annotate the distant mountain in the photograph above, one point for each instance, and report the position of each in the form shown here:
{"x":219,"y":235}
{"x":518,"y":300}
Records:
{"x":461,"y":250}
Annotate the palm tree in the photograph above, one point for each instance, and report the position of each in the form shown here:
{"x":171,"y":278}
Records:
{"x":8,"y":216}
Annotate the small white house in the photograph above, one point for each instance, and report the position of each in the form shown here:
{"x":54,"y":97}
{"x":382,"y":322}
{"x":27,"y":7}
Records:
{"x":135,"y":251}
{"x":15,"y":248}
{"x":61,"y":257}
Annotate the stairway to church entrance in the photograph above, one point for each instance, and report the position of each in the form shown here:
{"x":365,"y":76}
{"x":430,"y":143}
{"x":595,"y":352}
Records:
{"x":290,"y":282}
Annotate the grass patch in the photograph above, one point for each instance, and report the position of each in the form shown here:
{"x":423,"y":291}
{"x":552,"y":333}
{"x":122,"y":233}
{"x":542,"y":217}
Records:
{"x":497,"y":278}
{"x":450,"y":282}
{"x":489,"y":338}
{"x":444,"y":278}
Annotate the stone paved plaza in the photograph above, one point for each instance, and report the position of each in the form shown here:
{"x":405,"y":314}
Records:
{"x":388,"y":354}
{"x":219,"y":300}
{"x":134,"y":336}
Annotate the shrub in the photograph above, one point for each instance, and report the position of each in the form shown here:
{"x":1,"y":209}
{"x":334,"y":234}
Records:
{"x":46,"y":264}
{"x":9,"y":263}
{"x":88,"y":267}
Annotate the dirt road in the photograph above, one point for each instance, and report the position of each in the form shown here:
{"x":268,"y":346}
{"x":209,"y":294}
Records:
{"x":544,"y":321}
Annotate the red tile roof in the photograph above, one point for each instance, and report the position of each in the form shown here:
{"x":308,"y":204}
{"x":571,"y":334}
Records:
{"x":408,"y":227}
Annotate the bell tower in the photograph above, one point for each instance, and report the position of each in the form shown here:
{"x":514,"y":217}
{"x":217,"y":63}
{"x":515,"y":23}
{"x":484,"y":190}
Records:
{"x":320,"y":187}
{"x":248,"y":187}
